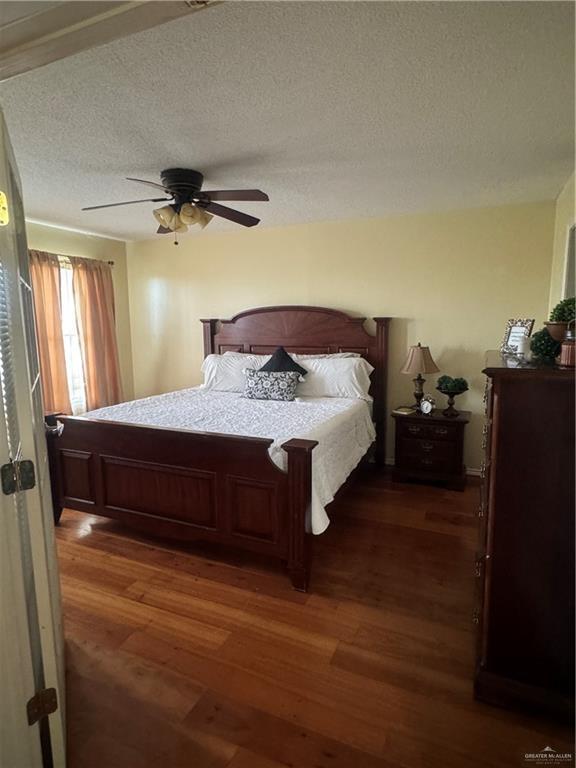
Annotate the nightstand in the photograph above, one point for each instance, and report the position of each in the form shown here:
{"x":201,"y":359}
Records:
{"x":431,"y":448}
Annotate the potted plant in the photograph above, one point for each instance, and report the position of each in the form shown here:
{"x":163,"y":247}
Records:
{"x":451,"y":387}
{"x":544,"y":346}
{"x":561,"y":316}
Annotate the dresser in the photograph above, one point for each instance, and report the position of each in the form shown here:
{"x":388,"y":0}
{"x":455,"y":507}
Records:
{"x":431,"y":448}
{"x":525,"y":559}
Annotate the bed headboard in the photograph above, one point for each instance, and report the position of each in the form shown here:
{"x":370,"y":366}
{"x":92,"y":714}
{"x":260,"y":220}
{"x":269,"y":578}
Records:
{"x":308,"y":330}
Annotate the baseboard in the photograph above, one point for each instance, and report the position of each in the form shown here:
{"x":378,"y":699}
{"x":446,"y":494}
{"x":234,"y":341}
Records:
{"x":469,"y":470}
{"x":503,"y":692}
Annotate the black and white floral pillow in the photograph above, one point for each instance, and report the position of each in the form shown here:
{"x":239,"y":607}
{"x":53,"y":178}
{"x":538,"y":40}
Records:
{"x":270,"y":385}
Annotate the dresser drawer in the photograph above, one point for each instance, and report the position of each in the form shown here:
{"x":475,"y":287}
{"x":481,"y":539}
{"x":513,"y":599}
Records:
{"x":436,"y":449}
{"x":430,"y":430}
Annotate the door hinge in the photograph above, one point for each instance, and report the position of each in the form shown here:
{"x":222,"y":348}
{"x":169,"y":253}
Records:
{"x":42,"y":704}
{"x":17,"y":476}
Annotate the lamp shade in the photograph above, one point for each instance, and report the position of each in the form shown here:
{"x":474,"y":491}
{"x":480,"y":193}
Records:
{"x":419,"y":360}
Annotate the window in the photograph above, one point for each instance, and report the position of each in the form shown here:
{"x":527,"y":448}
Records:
{"x":72,"y":350}
{"x":75,"y":329}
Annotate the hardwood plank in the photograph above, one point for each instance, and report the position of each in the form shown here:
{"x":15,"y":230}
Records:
{"x":455,"y":657}
{"x":246,"y":759}
{"x":258,"y":690}
{"x":273,"y":738}
{"x":229,"y":667}
{"x":169,"y":692}
{"x":230,"y":618}
{"x":139,"y":615}
{"x":215,"y":564}
{"x":408,"y":675}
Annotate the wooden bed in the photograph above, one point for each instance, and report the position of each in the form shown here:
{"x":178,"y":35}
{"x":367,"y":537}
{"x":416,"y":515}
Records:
{"x":196,"y":485}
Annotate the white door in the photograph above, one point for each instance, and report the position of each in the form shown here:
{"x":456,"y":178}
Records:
{"x":31,"y":639}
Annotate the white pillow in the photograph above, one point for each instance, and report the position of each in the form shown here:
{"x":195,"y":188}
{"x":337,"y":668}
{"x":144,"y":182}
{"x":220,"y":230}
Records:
{"x":332,"y":355}
{"x":245,"y":355}
{"x":336,"y":377}
{"x":225,"y":373}
{"x":296,"y":356}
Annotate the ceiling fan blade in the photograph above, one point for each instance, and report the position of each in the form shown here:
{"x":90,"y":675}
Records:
{"x":128,"y":202}
{"x":163,"y":230}
{"x":229,"y":213}
{"x":150,"y":184}
{"x":237,"y":194}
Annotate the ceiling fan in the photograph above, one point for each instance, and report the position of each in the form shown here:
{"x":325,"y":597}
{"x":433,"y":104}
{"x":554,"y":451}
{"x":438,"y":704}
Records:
{"x":188,"y":203}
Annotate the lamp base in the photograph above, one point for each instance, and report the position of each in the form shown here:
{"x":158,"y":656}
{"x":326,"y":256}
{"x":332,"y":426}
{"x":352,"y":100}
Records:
{"x":418,"y":390}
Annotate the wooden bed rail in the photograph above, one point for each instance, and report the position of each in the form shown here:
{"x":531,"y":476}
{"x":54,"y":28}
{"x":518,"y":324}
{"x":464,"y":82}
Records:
{"x":188,"y":486}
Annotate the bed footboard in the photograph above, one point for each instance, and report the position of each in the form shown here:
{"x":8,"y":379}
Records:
{"x":189,"y":485}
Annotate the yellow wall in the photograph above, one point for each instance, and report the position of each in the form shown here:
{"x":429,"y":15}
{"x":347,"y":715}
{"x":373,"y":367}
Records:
{"x":449,"y":280}
{"x":565,"y":218}
{"x":67,"y":243}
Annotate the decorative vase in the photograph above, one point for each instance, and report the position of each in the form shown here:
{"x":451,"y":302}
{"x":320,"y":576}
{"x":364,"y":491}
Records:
{"x":557,"y":330}
{"x":450,"y":412}
{"x":568,"y":349}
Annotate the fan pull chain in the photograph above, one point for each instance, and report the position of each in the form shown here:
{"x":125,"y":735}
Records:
{"x":175,"y":238}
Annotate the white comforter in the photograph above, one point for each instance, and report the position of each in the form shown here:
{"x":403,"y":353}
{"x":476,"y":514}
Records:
{"x":342,"y":427}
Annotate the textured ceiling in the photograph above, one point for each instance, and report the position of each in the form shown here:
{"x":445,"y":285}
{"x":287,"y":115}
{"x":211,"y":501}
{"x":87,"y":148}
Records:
{"x":337,"y":110}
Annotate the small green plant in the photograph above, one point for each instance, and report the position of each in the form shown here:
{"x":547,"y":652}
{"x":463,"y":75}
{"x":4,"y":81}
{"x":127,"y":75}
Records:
{"x":454,"y":386}
{"x":544,"y":346}
{"x":564,"y":311}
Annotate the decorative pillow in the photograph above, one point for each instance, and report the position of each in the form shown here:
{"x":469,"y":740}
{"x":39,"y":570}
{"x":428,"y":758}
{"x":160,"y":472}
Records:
{"x":271,"y":385}
{"x":281,"y":361}
{"x":339,"y":377}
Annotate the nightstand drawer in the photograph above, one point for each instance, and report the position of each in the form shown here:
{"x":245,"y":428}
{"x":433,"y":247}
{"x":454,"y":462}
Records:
{"x":436,"y":449}
{"x":426,"y":463}
{"x":430,"y":430}
{"x":443,"y":431}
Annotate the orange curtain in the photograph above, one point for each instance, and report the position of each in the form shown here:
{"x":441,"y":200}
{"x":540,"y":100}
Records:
{"x":94,"y":298}
{"x":45,"y":277}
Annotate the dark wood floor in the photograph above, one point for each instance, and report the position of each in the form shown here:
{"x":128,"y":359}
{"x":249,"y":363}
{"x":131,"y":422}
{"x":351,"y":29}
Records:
{"x":179,"y":658}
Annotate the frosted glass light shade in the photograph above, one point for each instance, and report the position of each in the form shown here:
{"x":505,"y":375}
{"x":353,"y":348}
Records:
{"x":419,"y":360}
{"x":191,"y":214}
{"x":167,"y":217}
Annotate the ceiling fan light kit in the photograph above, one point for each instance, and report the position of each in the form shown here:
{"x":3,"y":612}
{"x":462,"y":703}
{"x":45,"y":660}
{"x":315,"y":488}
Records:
{"x":192,"y":214}
{"x":188,"y":204}
{"x":169,"y":219}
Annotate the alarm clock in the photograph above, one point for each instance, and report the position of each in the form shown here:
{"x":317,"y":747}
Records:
{"x":427,"y":405}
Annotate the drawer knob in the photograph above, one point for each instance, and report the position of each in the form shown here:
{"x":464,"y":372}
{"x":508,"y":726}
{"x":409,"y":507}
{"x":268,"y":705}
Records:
{"x":415,"y":430}
{"x":476,"y":617}
{"x":426,"y":461}
{"x":483,"y":470}
{"x":478,"y":568}
{"x":426,"y":446}
{"x":441,"y":431}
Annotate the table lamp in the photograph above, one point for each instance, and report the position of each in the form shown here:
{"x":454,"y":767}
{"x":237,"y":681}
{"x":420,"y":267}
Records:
{"x":419,"y":361}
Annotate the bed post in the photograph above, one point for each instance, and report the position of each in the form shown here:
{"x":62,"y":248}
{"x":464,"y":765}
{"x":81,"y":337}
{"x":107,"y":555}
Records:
{"x":380,"y":386}
{"x":299,"y":501}
{"x":209,"y":330}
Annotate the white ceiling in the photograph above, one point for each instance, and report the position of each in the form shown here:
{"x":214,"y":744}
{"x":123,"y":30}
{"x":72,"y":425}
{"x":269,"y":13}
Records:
{"x":337,"y":110}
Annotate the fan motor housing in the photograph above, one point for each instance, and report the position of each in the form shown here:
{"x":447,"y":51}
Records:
{"x":184,"y":184}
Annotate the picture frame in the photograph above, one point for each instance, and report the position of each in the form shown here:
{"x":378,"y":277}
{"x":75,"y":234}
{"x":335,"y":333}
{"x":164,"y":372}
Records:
{"x":515,"y":330}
